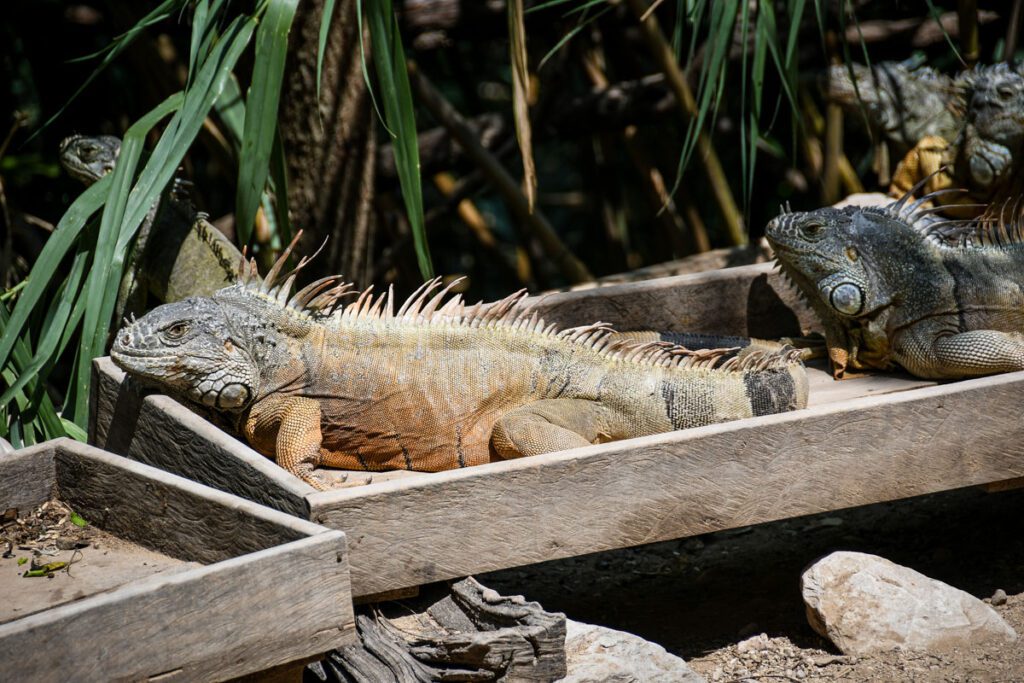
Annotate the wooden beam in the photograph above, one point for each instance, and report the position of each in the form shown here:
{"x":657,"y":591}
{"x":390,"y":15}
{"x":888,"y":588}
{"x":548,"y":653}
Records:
{"x":28,"y":477}
{"x":746,"y":301}
{"x":627,"y":493}
{"x":148,"y":427}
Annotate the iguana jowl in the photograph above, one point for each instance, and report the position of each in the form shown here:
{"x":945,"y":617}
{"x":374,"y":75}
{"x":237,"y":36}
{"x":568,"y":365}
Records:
{"x":941,"y":299}
{"x":436,"y":384}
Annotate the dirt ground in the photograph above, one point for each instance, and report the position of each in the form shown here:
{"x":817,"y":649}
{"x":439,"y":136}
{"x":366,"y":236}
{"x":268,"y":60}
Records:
{"x":709,"y":599}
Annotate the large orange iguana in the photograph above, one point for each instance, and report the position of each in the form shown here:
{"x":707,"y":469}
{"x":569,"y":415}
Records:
{"x":436,"y":384}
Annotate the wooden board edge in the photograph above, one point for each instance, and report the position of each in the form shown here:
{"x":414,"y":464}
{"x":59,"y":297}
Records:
{"x":326,"y":499}
{"x":668,"y":282}
{"x":28,"y":476}
{"x":146,"y":422}
{"x":200,"y":606}
{"x":69,"y":453}
{"x":660,"y":488}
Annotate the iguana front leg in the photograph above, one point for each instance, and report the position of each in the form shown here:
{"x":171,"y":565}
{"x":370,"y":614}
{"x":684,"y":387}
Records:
{"x":546,"y":426}
{"x":987,"y":161}
{"x":293,"y":426}
{"x":969,"y":354}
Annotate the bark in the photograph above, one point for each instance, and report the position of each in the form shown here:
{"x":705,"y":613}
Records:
{"x":330,"y":146}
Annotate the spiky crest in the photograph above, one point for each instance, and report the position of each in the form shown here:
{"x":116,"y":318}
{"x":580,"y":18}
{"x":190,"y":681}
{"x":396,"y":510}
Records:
{"x":427,"y":307}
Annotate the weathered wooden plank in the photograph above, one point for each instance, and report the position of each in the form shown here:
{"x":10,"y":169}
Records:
{"x":277,"y":590}
{"x":210,"y":623}
{"x":626,"y":493}
{"x":28,"y":477}
{"x":148,"y":428}
{"x":746,"y":301}
{"x":824,"y":389}
{"x":165,"y":512}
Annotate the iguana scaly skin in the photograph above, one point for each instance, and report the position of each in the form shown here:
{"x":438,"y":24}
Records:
{"x":436,"y":384}
{"x":943,"y":299}
{"x":177,"y":253}
{"x":904,"y":104}
{"x":984,"y":157}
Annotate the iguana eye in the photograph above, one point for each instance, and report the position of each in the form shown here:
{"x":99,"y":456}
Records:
{"x":1005,"y":92}
{"x":813,"y":231}
{"x":176,"y":331}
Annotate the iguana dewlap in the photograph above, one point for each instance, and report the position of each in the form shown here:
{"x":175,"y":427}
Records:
{"x":943,"y":300}
{"x":436,"y":384}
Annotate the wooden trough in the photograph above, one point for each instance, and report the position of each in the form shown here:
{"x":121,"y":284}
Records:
{"x":861,"y":441}
{"x":179,"y":582}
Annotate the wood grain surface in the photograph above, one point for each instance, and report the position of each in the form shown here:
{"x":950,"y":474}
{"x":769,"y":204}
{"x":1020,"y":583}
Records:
{"x":746,"y":301}
{"x":275,"y":588}
{"x":148,"y":428}
{"x":627,"y":493}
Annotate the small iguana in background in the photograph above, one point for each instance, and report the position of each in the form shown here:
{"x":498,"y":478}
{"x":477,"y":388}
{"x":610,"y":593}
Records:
{"x":177,"y":253}
{"x":435,"y":384}
{"x":985,"y":156}
{"x":903,"y":103}
{"x":942,"y":299}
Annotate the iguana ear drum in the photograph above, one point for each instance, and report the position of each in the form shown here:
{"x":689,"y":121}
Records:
{"x":847,"y":298}
{"x":233,"y":396}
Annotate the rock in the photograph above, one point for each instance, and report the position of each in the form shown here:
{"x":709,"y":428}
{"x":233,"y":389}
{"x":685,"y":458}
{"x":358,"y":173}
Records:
{"x":595,"y":654}
{"x":999,"y":597}
{"x":866,"y":604}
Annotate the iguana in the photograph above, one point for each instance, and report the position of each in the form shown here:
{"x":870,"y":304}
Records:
{"x":903,"y":103}
{"x":941,"y":299}
{"x":435,"y":384}
{"x":177,"y":253}
{"x":985,"y":156}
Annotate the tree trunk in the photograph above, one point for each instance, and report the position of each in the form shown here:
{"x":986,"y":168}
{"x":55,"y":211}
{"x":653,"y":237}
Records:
{"x":330,"y":145}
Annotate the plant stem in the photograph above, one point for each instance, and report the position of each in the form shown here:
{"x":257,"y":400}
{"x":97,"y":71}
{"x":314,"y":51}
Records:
{"x":535,"y":222}
{"x":967,"y":12}
{"x":662,"y":52}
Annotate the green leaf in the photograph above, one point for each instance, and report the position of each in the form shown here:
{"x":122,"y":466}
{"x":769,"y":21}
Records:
{"x":22,"y":560}
{"x":325,"y":30}
{"x":105,"y":275}
{"x":192,"y":109}
{"x":77,"y":520}
{"x":261,"y":112}
{"x":45,"y":269}
{"x":279,"y":181}
{"x":389,"y":62}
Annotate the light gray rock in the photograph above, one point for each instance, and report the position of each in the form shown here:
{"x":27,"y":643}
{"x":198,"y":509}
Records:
{"x":595,"y":654}
{"x":865,"y":604}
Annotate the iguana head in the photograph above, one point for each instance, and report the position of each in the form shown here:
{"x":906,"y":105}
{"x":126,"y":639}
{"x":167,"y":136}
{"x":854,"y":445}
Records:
{"x":852,"y":266}
{"x":837,"y":257}
{"x":997,"y":105}
{"x":89,"y":157}
{"x":197,"y":347}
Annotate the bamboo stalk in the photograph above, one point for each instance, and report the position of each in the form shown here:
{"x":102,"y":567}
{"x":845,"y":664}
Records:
{"x":474,"y":220}
{"x":967,"y":13}
{"x":534,"y":222}
{"x":1012,"y":32}
{"x":662,"y":52}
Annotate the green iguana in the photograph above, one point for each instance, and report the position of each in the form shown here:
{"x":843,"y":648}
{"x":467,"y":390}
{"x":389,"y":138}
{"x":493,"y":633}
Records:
{"x":436,"y":384}
{"x":985,"y":156}
{"x":177,"y":253}
{"x":903,"y":104}
{"x":942,"y":299}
